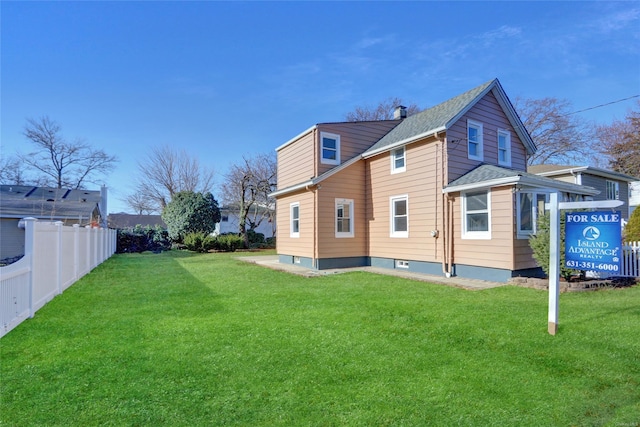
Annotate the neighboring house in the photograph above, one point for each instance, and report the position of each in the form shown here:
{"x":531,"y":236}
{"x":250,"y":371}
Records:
{"x":612,"y":185}
{"x":125,"y":220}
{"x":444,"y":191}
{"x":82,"y":207}
{"x":634,"y":196}
{"x":230,"y":221}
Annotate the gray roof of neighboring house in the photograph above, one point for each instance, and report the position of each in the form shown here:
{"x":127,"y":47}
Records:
{"x":485,"y":176}
{"x":20,"y":201}
{"x":555,"y":170}
{"x":442,"y":116}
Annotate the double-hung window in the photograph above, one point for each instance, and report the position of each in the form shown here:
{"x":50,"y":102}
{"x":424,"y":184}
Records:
{"x":294,"y":212}
{"x":344,"y":218}
{"x":329,"y":148}
{"x":613,"y":190}
{"x":399,"y":216}
{"x":474,"y":140}
{"x":504,"y":147}
{"x":476,"y":215}
{"x":398,"y":160}
{"x":529,"y":207}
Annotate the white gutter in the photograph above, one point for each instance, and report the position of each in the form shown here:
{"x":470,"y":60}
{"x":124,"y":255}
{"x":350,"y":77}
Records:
{"x":405,"y":141}
{"x":519,"y":180}
{"x":295,"y":138}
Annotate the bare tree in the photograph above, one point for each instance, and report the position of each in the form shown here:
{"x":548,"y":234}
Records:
{"x":167,"y":171}
{"x":247,"y":186}
{"x":383,"y":111}
{"x":141,"y":204}
{"x":620,"y":142}
{"x":559,"y":136}
{"x":12,"y":171}
{"x":60,"y":163}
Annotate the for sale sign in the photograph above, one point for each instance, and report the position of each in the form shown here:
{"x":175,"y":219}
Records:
{"x":593,"y":241}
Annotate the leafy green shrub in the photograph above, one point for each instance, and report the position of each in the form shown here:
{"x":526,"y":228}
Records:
{"x":195,"y":241}
{"x":255,"y":238}
{"x":228,"y":242}
{"x":141,"y":239}
{"x":189,"y":212}
{"x":540,"y":244}
{"x":632,"y":229}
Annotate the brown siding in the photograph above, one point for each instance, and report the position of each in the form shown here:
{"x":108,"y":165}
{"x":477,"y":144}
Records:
{"x":497,"y":252}
{"x":296,"y":161}
{"x":349,"y":184}
{"x":488,"y":112}
{"x":355,"y":138}
{"x":303,"y":245}
{"x":422,"y":183}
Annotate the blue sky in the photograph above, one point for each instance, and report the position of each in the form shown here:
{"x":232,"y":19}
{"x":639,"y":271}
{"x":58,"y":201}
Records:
{"x":227,"y":79}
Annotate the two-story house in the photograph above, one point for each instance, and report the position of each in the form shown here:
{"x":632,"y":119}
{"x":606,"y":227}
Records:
{"x":444,"y":191}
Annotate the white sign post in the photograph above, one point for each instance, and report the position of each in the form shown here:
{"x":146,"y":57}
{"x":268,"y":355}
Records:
{"x":554,"y":248}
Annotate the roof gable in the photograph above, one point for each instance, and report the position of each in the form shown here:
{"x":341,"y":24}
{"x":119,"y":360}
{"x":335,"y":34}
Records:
{"x":440,"y":117}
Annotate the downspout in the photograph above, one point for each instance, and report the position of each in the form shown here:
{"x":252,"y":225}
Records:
{"x":446,"y":217}
{"x":316,"y":147}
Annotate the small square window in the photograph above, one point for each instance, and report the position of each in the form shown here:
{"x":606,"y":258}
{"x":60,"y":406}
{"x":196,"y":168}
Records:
{"x":329,"y":148}
{"x":398,"y":160}
{"x":476,"y":218}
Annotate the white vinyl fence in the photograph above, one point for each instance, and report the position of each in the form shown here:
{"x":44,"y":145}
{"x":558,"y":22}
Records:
{"x":56,"y":256}
{"x":630,"y":264}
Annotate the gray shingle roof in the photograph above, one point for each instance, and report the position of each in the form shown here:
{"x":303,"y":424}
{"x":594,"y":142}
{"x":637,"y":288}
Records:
{"x":491,"y":175}
{"x":431,"y":119}
{"x":19,"y":201}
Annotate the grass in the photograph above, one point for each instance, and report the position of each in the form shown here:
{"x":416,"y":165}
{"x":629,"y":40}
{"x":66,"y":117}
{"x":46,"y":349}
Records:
{"x":184,"y":339}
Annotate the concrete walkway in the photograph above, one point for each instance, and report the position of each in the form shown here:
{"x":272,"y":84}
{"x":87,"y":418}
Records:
{"x":271,"y":261}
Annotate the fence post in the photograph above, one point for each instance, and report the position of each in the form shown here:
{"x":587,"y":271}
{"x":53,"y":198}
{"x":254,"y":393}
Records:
{"x":76,"y":251}
{"x":58,"y":225}
{"x":29,"y":244}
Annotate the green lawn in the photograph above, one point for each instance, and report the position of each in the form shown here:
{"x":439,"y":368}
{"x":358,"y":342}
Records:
{"x":206,"y":340}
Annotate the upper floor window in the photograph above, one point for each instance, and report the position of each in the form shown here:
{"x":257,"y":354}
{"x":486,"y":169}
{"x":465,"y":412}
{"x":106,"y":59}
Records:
{"x":400,"y":216}
{"x":398,"y":160}
{"x":295,"y":219}
{"x":476,"y":215}
{"x":330,"y":148}
{"x":474,"y":140}
{"x":344,"y":218}
{"x":613,"y":190}
{"x":504,"y":147}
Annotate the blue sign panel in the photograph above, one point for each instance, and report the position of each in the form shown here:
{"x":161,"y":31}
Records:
{"x":593,"y":241}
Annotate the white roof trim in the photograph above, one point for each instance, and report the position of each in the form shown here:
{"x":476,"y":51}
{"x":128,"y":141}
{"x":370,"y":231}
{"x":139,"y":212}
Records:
{"x":590,"y":170}
{"x":511,"y":180}
{"x":295,"y":138}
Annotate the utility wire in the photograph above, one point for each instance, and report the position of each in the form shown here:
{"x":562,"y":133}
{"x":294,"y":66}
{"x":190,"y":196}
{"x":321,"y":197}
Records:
{"x":602,"y":105}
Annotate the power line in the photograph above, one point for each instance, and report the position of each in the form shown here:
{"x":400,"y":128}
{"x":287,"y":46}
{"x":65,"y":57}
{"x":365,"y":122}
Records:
{"x":602,"y":105}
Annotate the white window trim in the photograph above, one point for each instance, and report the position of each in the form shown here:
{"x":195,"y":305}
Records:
{"x":507,"y":136}
{"x":294,"y":234}
{"x":475,"y":235}
{"x":478,"y":126}
{"x":324,"y":161}
{"x":392,"y":232}
{"x":395,"y":169}
{"x":525,"y":234}
{"x":616,"y":190}
{"x":350,"y":233}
